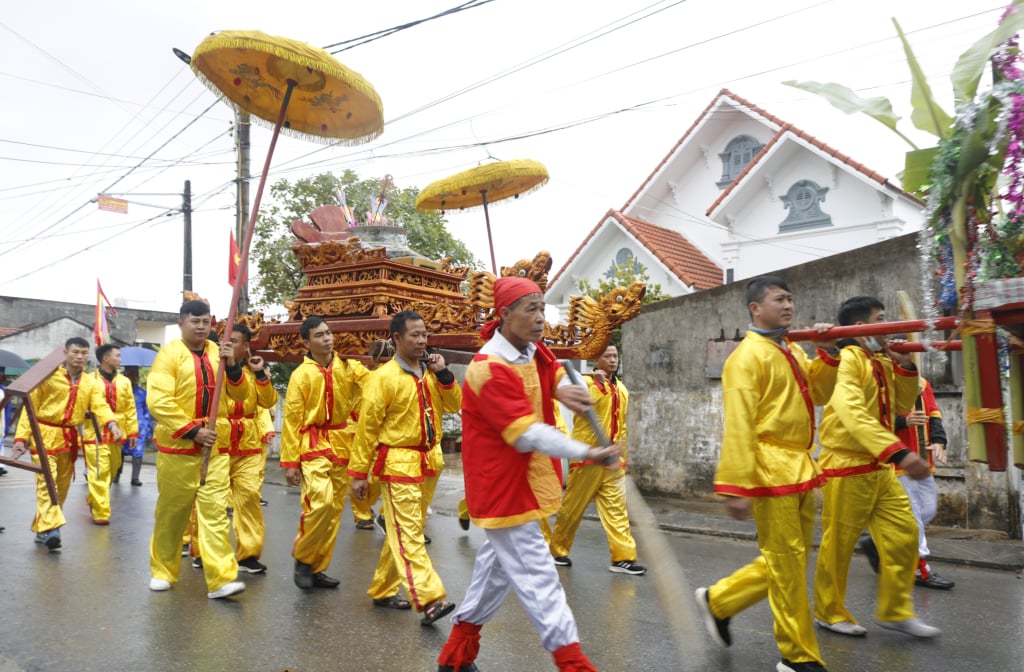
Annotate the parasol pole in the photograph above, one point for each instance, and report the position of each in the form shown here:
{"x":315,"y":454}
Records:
{"x":243,"y":272}
{"x":490,"y":240}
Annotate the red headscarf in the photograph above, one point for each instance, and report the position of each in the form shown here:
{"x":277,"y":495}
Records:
{"x":506,"y":292}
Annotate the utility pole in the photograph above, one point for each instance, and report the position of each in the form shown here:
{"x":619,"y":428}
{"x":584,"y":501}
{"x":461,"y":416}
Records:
{"x":242,"y":126}
{"x":186,"y":209}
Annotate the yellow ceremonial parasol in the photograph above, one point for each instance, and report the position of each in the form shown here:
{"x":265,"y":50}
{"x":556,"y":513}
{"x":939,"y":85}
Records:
{"x":299,"y":89}
{"x":482,"y":185}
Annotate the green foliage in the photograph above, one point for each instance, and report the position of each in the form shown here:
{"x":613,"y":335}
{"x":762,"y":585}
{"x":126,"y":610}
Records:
{"x":999,"y":259}
{"x":926,"y":113}
{"x":971,"y":65}
{"x":846,"y":100}
{"x":624,"y":275}
{"x":279,"y":274}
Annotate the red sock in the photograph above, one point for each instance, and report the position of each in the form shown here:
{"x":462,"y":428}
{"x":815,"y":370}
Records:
{"x":923,"y":569}
{"x":462,"y":646}
{"x":570,"y":658}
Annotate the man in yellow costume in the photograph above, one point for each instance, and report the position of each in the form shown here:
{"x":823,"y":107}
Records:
{"x":60,"y":403}
{"x":591,"y":481}
{"x":399,"y":423}
{"x":179,"y":394}
{"x":104,"y":457}
{"x":769,"y":390}
{"x":859,"y":452}
{"x":321,"y":394}
{"x":239,"y":436}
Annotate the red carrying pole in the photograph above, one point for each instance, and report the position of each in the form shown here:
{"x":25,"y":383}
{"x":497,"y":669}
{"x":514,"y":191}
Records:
{"x":875,"y":329}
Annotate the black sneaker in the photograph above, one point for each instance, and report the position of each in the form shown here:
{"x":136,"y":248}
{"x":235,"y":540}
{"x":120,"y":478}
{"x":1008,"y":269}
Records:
{"x":563,"y":561}
{"x":870,"y":551}
{"x":934,"y":581}
{"x":303,"y":575}
{"x":197,"y":563}
{"x":806,"y":666}
{"x":464,"y":523}
{"x":252,"y":566}
{"x":426,"y":539}
{"x":627,"y":567}
{"x":263,"y":502}
{"x":381,"y":524}
{"x":718,"y":628}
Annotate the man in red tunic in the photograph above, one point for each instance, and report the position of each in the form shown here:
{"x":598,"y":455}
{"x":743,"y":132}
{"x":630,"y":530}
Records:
{"x":509,"y":438}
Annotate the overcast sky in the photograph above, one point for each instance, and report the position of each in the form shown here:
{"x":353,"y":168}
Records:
{"x":92,"y":90}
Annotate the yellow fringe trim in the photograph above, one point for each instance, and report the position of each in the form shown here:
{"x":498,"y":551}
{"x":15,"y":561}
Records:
{"x":1018,"y":426}
{"x":993,"y":416}
{"x":976,"y":327}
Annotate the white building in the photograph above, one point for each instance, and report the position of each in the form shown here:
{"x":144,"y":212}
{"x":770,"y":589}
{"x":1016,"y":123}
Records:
{"x":741,"y":193}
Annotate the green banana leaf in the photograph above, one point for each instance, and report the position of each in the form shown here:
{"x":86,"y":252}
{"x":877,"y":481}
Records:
{"x":915,"y":170}
{"x":927,"y":115}
{"x":846,"y":100}
{"x":970,"y":66}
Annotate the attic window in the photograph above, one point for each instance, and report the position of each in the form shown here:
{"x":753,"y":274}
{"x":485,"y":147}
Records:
{"x":623,"y":259}
{"x":740,"y":151}
{"x":803,"y":200}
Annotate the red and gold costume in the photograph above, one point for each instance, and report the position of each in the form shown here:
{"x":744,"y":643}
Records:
{"x":769,"y":390}
{"x":179,"y":392}
{"x":239,"y":435}
{"x":858,"y":443}
{"x":316,"y":409}
{"x":589,"y":481}
{"x":399,"y":424}
{"x":509,"y":440}
{"x":105,"y":458}
{"x":60,"y":405}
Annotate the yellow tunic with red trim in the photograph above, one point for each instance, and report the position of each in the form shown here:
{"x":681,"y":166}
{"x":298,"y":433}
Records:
{"x":316,"y":410}
{"x":238,"y":422}
{"x":60,"y":405}
{"x":501,"y":400}
{"x":609,"y":401}
{"x":769,"y":392}
{"x":393,"y":439}
{"x":121,"y":400}
{"x":857,"y":427}
{"x":179,"y":391}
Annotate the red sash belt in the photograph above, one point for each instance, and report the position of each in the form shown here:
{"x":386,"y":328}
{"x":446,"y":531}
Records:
{"x":577,"y":465}
{"x":70,"y":438}
{"x":853,"y":471}
{"x":382,"y":455}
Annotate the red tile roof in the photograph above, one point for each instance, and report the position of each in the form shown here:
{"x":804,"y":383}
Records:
{"x":7,"y":331}
{"x":678,"y":254}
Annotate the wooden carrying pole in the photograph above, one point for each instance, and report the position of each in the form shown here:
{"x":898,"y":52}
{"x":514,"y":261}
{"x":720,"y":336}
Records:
{"x":875,"y":329}
{"x":20,"y":389}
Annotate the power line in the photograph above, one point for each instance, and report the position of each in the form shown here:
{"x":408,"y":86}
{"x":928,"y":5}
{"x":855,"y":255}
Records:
{"x":374,"y":36}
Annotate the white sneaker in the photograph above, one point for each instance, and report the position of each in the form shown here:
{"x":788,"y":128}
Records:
{"x":912,"y":626}
{"x":227,"y":590}
{"x":159,"y":585}
{"x":848,"y":628}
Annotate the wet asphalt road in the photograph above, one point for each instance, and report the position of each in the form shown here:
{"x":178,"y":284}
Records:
{"x":87,"y":607}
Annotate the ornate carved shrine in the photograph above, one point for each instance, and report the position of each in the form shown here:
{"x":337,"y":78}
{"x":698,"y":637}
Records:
{"x":357,"y":277}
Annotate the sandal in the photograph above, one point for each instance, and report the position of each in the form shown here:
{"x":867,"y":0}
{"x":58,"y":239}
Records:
{"x":393,"y":602}
{"x":437,"y":610}
{"x":364,"y":525}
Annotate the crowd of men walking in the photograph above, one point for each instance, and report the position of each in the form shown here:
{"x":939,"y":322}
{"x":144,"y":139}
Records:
{"x":350,"y":431}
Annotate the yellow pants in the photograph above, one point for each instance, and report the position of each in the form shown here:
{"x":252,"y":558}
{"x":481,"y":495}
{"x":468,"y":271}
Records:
{"x":429,"y":488}
{"x":177,"y":479}
{"x":785,"y":529}
{"x":116,"y":458}
{"x":607,"y":489}
{"x":362,"y":509}
{"x":404,"y":560}
{"x":99,"y":460}
{"x":875,"y":500}
{"x":323,"y":496}
{"x":50,"y":517}
{"x":250,"y":528}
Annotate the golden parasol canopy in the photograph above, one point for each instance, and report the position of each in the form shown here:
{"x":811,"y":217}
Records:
{"x":251,"y":71}
{"x":482,"y":185}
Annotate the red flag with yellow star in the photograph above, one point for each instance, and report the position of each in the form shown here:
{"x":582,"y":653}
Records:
{"x":234,"y":260}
